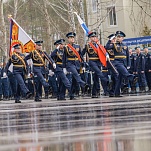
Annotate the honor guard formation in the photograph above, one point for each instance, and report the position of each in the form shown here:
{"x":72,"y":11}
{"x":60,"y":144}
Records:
{"x":71,"y":71}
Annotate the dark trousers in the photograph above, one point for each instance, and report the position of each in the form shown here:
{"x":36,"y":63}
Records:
{"x":53,"y":84}
{"x":123,"y":73}
{"x":141,"y":79}
{"x":30,"y":85}
{"x":148,"y":79}
{"x":96,"y":68}
{"x":75,"y":74}
{"x":13,"y":84}
{"x":1,"y":92}
{"x":5,"y":87}
{"x":38,"y":81}
{"x":96,"y":84}
{"x":63,"y":84}
{"x":20,"y":85}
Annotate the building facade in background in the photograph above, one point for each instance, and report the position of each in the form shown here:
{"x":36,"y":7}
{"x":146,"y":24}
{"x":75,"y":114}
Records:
{"x":108,"y":16}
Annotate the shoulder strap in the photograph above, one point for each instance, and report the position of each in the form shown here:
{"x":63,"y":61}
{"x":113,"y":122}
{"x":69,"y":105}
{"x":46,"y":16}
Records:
{"x":75,"y":52}
{"x":21,"y":59}
{"x":42,"y":60}
{"x":93,"y":47}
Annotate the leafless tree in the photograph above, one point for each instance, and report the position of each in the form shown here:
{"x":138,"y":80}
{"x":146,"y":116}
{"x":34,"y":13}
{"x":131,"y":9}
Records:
{"x":3,"y":31}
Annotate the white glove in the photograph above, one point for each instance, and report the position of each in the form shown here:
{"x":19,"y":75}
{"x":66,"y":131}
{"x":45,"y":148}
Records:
{"x":28,"y":75}
{"x":4,"y":75}
{"x":58,"y":46}
{"x":128,"y":67}
{"x":51,"y":73}
{"x":54,"y":65}
{"x":107,"y":57}
{"x":83,"y":69}
{"x":65,"y":71}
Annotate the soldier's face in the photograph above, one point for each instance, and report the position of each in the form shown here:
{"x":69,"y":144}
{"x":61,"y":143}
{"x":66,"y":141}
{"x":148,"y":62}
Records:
{"x":130,"y":51}
{"x":93,"y":39}
{"x":18,"y":50}
{"x":71,"y":39}
{"x":113,"y":40}
{"x":39,"y":47}
{"x":61,"y":46}
{"x":146,"y":50}
{"x":120,"y":38}
{"x":138,"y":50}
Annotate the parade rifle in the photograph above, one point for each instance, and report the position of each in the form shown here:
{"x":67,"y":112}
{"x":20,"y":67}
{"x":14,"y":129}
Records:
{"x":87,"y":32}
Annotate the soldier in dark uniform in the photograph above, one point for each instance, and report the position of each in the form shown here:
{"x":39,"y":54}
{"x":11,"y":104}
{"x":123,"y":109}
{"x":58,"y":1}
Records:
{"x":20,"y":68}
{"x":63,"y":82}
{"x":94,"y":61}
{"x":139,"y":69}
{"x":147,"y":67}
{"x":5,"y":84}
{"x":38,"y":57}
{"x":113,"y":75}
{"x":72,"y":61}
{"x":131,"y":70}
{"x":121,"y":61}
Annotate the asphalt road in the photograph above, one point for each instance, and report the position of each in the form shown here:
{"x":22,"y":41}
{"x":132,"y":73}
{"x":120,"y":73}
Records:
{"x":85,"y":124}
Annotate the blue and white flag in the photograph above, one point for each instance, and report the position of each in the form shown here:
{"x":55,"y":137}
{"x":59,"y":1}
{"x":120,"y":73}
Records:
{"x":83,"y":25}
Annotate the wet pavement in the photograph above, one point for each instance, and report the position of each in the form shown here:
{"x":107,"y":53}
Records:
{"x":103,"y":124}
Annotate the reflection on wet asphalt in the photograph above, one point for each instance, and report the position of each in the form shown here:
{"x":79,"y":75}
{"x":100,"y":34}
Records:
{"x":103,"y":124}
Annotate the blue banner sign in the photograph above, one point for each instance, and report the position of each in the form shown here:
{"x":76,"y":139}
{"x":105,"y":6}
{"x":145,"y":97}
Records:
{"x":138,"y":40}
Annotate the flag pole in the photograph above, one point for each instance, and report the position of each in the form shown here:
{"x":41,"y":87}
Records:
{"x":10,"y":17}
{"x":87,"y":31}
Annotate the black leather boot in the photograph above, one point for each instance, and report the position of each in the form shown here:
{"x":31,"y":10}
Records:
{"x":1,"y":98}
{"x":17,"y":101}
{"x":37,"y":100}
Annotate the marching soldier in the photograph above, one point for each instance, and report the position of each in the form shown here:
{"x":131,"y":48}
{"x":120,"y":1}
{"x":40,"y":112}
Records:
{"x":112,"y":74}
{"x":63,"y":82}
{"x":72,"y":61}
{"x":20,"y":68}
{"x":38,"y":57}
{"x":94,"y":60}
{"x":147,"y":67}
{"x":121,"y":61}
{"x":139,"y":68}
